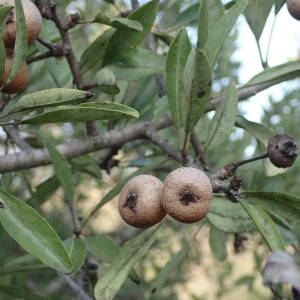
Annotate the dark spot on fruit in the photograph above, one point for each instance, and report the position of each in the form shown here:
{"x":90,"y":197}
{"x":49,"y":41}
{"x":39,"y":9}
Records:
{"x":187,"y":197}
{"x":131,"y":201}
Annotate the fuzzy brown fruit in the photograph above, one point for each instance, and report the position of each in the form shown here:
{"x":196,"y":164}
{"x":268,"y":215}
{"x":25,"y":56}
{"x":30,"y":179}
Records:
{"x":139,"y":201}
{"x":294,"y":8}
{"x":20,"y":82}
{"x":33,"y":20}
{"x":282,"y":150}
{"x":187,"y":194}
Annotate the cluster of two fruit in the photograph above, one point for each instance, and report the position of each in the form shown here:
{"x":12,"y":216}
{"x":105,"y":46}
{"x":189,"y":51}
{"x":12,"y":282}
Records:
{"x":33,"y":22}
{"x":185,"y":195}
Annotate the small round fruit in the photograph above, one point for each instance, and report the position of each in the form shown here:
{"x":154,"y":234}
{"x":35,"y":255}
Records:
{"x":20,"y":82}
{"x":187,"y":194}
{"x":282,"y":150}
{"x":294,"y":8}
{"x":139,"y":201}
{"x":33,"y":20}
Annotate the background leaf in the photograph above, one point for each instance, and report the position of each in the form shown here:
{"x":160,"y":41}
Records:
{"x":222,"y":124}
{"x":77,"y":254}
{"x":265,"y":225}
{"x":110,"y":282}
{"x":21,"y":46}
{"x":176,"y":59}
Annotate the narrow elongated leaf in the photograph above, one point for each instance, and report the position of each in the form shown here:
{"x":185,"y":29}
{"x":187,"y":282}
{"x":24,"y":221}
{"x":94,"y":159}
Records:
{"x":222,"y":123}
{"x":257,"y":130}
{"x":164,"y":275}
{"x":203,"y":24}
{"x":49,"y":97}
{"x":110,"y":282}
{"x":21,"y":44}
{"x":177,"y":56}
{"x":77,"y":254}
{"x":221,"y":30}
{"x":217,"y":242}
{"x":229,"y":217}
{"x":120,"y":23}
{"x":63,"y":171}
{"x":265,"y":226}
{"x":118,"y":47}
{"x":279,"y":73}
{"x":83,"y":113}
{"x":278,"y":203}
{"x":256,"y":15}
{"x":196,"y":86}
{"x":4,"y":11}
{"x":278,"y":5}
{"x":33,"y":232}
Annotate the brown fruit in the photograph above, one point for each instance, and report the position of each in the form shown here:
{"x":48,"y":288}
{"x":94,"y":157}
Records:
{"x":20,"y":81}
{"x":294,"y":8}
{"x":139,"y":201}
{"x":187,"y":194}
{"x":33,"y":21}
{"x":282,"y":150}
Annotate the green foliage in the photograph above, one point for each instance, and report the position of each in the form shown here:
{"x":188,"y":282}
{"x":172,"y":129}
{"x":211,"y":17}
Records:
{"x":159,"y":84}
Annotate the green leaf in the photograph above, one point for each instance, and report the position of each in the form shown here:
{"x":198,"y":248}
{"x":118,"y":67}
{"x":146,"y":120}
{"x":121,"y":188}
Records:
{"x":256,"y":15}
{"x":257,"y":130}
{"x":21,"y":44}
{"x":120,"y":23}
{"x":33,"y":233}
{"x":196,"y":87}
{"x":4,"y":11}
{"x":164,"y":275}
{"x":102,"y":247}
{"x":112,"y":279}
{"x":282,"y":204}
{"x":143,"y":58}
{"x":203,"y":25}
{"x":222,"y":123}
{"x":83,"y":113}
{"x":178,"y":53}
{"x":217,"y":242}
{"x":278,"y":5}
{"x":278,"y":73}
{"x":118,"y":47}
{"x":77,"y":254}
{"x":220,"y":31}
{"x":62,"y":169}
{"x":265,"y":226}
{"x":49,"y":97}
{"x":229,"y":216}
{"x":106,"y":250}
{"x":20,"y":293}
{"x":91,"y":60}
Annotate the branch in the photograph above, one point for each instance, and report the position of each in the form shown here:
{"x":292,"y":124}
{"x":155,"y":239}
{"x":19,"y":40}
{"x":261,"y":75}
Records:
{"x":39,"y":157}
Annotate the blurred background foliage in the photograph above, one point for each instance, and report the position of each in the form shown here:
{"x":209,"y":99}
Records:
{"x":196,"y":261}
